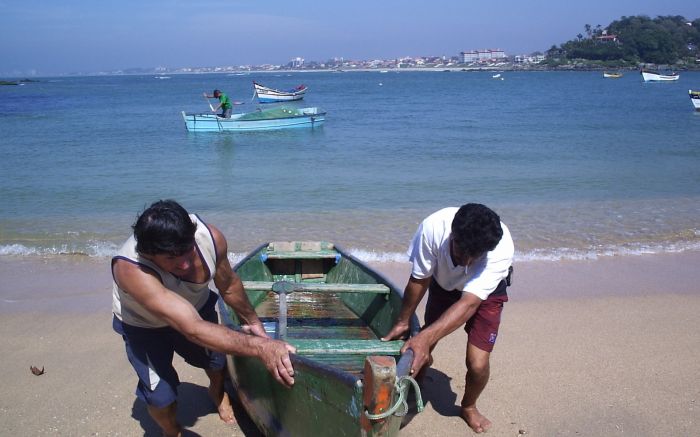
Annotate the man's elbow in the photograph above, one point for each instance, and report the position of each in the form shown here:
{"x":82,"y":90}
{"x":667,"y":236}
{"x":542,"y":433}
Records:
{"x":471,"y":301}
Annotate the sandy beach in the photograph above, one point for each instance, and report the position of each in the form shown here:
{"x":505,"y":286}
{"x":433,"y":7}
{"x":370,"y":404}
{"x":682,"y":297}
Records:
{"x":586,"y":348}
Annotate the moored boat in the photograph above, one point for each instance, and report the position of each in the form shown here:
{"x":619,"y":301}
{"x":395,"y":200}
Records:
{"x":655,"y":76}
{"x":270,"y":95}
{"x":695,"y":99}
{"x":268,"y":119}
{"x":334,"y":310}
{"x":612,"y":75}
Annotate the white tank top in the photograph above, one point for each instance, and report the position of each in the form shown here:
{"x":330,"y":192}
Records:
{"x":129,"y":311}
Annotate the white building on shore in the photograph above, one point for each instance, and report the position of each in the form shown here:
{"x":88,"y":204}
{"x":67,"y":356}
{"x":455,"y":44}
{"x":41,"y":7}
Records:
{"x":482,"y":55}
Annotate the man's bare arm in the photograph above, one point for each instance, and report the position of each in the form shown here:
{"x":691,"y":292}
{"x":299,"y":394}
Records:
{"x":145,"y":287}
{"x":455,"y":316}
{"x":412,"y":295}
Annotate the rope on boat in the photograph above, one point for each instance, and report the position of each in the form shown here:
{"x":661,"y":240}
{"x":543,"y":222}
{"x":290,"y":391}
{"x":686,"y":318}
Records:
{"x":403,"y":385}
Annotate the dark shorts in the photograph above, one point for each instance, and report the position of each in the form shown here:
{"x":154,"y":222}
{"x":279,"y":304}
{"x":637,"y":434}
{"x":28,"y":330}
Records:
{"x":150,"y":352}
{"x":482,"y":327}
{"x":225,"y":113}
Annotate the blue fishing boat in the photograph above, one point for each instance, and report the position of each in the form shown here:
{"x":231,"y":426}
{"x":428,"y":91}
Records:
{"x":260,"y":120}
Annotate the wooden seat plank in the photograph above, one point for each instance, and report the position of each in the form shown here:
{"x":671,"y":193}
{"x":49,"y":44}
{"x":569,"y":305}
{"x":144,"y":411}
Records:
{"x":321,"y":287}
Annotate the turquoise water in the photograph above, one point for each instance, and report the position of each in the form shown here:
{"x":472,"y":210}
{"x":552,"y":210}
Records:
{"x":576,"y":165}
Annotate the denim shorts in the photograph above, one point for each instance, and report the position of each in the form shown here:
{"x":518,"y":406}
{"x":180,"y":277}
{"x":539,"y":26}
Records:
{"x":151,"y":350}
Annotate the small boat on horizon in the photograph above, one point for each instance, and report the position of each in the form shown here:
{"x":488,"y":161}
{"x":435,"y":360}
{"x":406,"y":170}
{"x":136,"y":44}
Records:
{"x":656,"y":76}
{"x":612,"y":75}
{"x":161,"y":77}
{"x":270,"y":95}
{"x":280,"y":117}
{"x":695,"y":99}
{"x":334,"y":310}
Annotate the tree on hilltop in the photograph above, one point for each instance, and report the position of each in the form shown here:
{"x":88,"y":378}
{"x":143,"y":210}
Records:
{"x":662,"y":40}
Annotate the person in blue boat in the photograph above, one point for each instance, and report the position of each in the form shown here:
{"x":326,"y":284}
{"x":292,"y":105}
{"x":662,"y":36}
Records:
{"x":224,"y":103}
{"x":162,"y":305}
{"x":463,"y":257}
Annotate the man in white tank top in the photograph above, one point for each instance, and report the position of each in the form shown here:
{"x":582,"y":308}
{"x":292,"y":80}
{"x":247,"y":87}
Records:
{"x":162,"y":305}
{"x":464,"y":256}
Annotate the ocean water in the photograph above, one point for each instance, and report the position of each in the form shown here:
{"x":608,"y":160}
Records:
{"x":578,"y":166}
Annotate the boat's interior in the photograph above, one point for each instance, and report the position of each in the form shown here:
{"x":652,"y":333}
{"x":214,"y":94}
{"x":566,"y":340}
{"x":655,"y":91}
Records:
{"x":328,"y":305}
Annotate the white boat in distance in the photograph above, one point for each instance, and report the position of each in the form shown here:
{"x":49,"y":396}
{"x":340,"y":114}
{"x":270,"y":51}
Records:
{"x":614,"y":75}
{"x":270,"y":95}
{"x":655,"y":76}
{"x":695,"y":99}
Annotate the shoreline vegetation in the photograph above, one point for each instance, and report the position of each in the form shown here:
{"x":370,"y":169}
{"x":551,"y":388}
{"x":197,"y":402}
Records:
{"x":17,"y":82}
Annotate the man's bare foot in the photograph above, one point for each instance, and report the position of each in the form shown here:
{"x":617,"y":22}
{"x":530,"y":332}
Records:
{"x":476,"y":421}
{"x":223,"y":405}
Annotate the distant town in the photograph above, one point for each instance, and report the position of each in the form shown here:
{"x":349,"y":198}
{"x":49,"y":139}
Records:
{"x":483,"y":59}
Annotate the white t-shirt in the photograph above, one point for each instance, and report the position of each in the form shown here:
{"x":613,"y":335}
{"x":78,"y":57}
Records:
{"x":430,"y":254}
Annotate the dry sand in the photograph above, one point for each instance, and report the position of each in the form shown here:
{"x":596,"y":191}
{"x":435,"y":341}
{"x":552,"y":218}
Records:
{"x":587,"y":348}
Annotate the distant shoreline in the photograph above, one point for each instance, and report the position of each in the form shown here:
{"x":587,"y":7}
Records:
{"x":502,"y":68}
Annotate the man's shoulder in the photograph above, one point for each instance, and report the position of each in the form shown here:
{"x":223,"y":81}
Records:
{"x":440,"y":220}
{"x":442,"y":215}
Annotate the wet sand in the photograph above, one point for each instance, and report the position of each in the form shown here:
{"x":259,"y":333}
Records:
{"x":586,"y":348}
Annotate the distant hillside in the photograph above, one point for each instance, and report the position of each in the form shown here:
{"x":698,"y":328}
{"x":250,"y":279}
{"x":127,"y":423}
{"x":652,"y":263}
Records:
{"x":634,"y":40}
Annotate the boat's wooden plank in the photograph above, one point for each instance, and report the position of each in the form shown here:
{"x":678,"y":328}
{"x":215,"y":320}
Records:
{"x":291,"y":246}
{"x":344,"y":346}
{"x":320,"y":287}
{"x":316,"y":254}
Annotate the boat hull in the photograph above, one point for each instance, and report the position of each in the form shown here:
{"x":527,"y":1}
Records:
{"x":282,"y":118}
{"x":271,"y":95}
{"x":649,"y":76}
{"x":695,"y":99}
{"x":336,"y":331}
{"x":268,"y":98}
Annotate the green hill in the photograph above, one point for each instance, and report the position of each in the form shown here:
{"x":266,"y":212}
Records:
{"x":633,"y":40}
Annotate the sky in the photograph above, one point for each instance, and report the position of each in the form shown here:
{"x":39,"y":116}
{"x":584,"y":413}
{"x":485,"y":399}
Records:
{"x":47,"y":37}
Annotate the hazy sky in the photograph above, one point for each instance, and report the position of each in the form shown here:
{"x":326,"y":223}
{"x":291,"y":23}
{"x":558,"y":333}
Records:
{"x":62,"y":36}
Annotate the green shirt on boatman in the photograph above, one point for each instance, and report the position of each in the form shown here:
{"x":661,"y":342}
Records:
{"x":225,"y":101}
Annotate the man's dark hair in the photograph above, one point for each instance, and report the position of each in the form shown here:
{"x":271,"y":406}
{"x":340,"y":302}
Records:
{"x":165,"y":227}
{"x":476,"y":229}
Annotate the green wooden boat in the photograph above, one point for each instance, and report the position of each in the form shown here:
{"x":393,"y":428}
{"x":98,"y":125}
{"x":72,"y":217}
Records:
{"x":333,"y":309}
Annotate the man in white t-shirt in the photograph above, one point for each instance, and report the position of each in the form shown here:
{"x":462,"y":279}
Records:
{"x":464,"y":256}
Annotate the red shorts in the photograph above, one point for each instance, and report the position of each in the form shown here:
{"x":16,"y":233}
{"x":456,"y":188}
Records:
{"x":482,"y":327}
